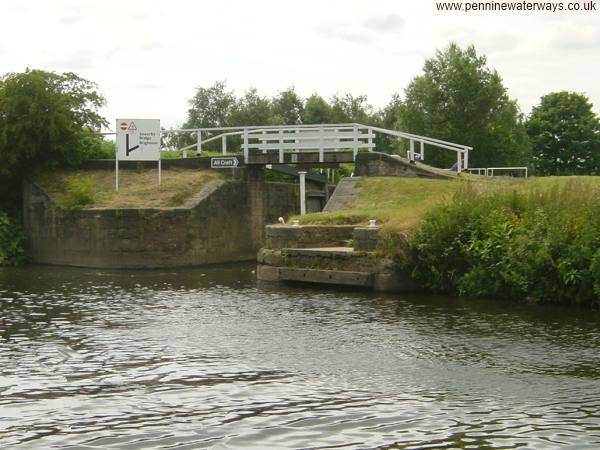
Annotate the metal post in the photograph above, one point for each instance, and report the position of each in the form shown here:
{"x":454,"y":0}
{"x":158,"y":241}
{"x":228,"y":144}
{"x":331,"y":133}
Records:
{"x":459,"y":162}
{"x":422,"y":151}
{"x":199,"y":144}
{"x":159,"y":169}
{"x":116,"y":172}
{"x":412,"y":150}
{"x":245,"y":145}
{"x":302,"y":193}
{"x":224,"y":144}
{"x":281,"y":160}
{"x":466,"y":158}
{"x":370,"y":140}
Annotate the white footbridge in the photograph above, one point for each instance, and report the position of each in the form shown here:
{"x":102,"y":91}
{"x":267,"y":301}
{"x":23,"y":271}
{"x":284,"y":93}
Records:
{"x":322,"y":143}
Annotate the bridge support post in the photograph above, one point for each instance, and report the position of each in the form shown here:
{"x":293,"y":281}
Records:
{"x":245,"y":146}
{"x":302,"y":192}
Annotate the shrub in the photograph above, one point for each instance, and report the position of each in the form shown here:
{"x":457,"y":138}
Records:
{"x":541,"y":244}
{"x":79,"y":193}
{"x":12,"y":251}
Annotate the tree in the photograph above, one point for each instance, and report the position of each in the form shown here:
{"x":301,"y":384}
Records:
{"x":46,"y":119}
{"x":389,"y":117}
{"x":211,"y":107}
{"x":565,"y":135}
{"x":350,"y":109}
{"x":287,"y":108}
{"x":459,"y":99}
{"x":252,"y":109}
{"x":316,"y":110}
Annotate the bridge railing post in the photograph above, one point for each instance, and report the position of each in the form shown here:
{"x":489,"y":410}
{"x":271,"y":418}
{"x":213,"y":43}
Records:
{"x":412,"y":151}
{"x":224,"y":144}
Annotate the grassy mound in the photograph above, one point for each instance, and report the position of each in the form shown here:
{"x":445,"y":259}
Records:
{"x":137,"y":189}
{"x":400,"y":203}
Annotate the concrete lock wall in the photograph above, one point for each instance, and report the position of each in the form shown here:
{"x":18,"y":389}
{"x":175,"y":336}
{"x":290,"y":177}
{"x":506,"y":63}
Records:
{"x":225,"y":224}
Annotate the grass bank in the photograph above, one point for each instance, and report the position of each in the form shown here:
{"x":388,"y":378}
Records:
{"x":137,"y":189}
{"x":399,"y":204}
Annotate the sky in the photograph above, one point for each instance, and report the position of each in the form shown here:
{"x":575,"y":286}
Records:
{"x":149,"y":56}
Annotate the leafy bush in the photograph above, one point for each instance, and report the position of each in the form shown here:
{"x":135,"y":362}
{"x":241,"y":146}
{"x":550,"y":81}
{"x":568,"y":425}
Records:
{"x":540,"y":244}
{"x":79,"y":193}
{"x":12,"y":251}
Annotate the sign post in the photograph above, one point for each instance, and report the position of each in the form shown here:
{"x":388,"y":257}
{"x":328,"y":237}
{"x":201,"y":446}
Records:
{"x":137,"y":140}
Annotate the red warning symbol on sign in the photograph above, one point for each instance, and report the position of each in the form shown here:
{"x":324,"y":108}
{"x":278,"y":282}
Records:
{"x":123,"y":126}
{"x":132,"y":127}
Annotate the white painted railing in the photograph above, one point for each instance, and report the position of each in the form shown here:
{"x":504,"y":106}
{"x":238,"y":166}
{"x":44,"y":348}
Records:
{"x":489,"y":171}
{"x":322,"y":138}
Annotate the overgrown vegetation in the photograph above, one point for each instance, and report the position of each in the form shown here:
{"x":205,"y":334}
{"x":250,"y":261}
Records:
{"x":78,"y":192}
{"x":12,"y":239}
{"x":537,"y":241}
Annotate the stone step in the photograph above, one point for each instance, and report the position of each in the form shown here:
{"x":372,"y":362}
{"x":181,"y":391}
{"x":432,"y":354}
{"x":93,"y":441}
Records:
{"x":340,"y":277}
{"x":334,"y":258}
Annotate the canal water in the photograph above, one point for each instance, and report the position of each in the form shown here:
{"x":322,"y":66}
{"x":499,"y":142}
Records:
{"x":208,"y":358}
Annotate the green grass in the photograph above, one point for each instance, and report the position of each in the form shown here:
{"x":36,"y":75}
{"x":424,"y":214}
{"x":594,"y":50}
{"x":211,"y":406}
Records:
{"x":395,"y":202}
{"x":400,"y":204}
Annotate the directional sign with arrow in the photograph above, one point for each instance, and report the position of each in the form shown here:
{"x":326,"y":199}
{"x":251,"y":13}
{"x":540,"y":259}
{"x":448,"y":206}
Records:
{"x":138,"y":139}
{"x":224,"y":162}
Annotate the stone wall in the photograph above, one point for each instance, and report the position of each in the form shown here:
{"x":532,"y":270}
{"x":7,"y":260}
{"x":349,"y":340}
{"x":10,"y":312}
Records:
{"x":225,"y":224}
{"x":374,"y":164}
{"x":305,"y":236}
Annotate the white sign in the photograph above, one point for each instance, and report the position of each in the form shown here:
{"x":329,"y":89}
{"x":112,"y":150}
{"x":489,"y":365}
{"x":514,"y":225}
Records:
{"x":224,"y":162}
{"x":138,"y":139}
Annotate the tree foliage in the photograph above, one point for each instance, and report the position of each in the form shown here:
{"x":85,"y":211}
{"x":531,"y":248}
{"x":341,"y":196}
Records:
{"x":211,"y":107}
{"x":565,"y":135}
{"x":287,"y":108}
{"x":316,"y":110}
{"x":217,"y":107}
{"x":46,"y":119}
{"x":459,"y":99}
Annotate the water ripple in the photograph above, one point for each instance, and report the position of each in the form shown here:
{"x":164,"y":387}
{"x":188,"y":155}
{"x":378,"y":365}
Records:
{"x":205,"y":358}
